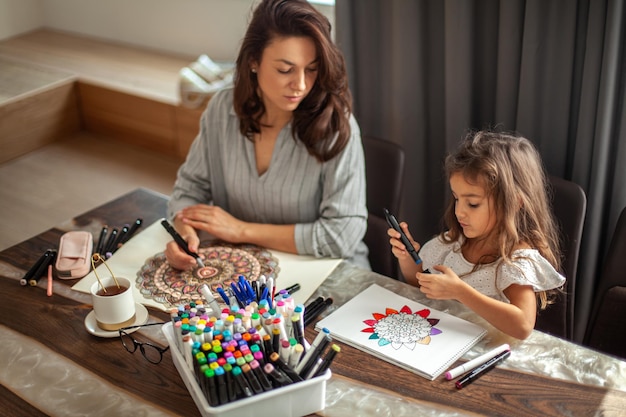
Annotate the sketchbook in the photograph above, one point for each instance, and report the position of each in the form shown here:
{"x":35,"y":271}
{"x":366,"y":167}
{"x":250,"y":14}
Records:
{"x":401,"y":331}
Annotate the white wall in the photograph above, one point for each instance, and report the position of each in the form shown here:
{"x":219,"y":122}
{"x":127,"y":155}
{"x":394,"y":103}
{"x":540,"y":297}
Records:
{"x":18,"y":16}
{"x":185,"y":27}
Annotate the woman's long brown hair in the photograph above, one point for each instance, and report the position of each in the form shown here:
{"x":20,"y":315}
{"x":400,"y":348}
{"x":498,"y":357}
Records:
{"x":325,"y":111}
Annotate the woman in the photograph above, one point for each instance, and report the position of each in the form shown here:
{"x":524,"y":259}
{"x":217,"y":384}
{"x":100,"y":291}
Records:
{"x":278,"y":161}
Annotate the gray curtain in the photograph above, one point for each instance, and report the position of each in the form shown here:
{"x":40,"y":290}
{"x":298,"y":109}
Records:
{"x":423,"y":72}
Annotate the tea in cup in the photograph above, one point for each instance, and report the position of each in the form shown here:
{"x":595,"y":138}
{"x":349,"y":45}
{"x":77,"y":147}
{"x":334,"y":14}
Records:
{"x":113,"y":306}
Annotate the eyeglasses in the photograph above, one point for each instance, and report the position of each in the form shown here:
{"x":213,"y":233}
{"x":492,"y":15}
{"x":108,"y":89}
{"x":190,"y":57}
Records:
{"x":153,"y":353}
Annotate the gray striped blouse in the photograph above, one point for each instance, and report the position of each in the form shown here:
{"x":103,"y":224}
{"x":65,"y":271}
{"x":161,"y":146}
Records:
{"x":326,"y":201}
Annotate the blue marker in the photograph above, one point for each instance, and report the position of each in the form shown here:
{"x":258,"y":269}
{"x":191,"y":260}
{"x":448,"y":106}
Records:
{"x":224,"y":296}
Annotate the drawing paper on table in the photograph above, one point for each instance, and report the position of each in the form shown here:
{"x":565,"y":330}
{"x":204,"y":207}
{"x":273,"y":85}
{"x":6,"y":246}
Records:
{"x":402,"y":331}
{"x":127,"y":261}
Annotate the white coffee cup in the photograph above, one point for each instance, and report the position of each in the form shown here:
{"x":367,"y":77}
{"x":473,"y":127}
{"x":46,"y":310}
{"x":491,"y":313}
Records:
{"x":113,"y":309}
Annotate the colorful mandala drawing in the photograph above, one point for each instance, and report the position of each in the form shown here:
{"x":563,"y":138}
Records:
{"x":223,"y":263}
{"x":402,"y":328}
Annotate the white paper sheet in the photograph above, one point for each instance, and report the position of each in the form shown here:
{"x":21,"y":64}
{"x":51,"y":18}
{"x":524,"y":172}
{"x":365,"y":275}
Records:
{"x":402,"y":337}
{"x":307,"y":271}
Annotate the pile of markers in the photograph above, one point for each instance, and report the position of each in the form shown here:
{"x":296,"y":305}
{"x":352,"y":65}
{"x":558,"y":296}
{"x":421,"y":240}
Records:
{"x":107,"y":245}
{"x":239,"y":352}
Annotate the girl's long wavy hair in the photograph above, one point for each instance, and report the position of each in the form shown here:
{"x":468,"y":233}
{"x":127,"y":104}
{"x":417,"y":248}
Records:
{"x":510,"y":169}
{"x":325,"y":111}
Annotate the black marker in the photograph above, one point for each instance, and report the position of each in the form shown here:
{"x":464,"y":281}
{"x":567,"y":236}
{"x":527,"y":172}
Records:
{"x":31,"y":272}
{"x":181,"y":242}
{"x":102,"y":239}
{"x":132,"y":230}
{"x":49,"y":258}
{"x":333,"y":351}
{"x":120,"y":238}
{"x":393,"y":223}
{"x":292,"y":289}
{"x":482,"y":369}
{"x":313,"y":313}
{"x":108,"y":247}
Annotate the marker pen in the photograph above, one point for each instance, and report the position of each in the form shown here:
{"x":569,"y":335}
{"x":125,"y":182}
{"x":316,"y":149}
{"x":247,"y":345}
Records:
{"x":300,"y":309}
{"x":277,"y":362}
{"x":296,"y":355}
{"x":224,"y":296}
{"x":102,"y":239}
{"x":237,"y":294}
{"x":120,"y":237}
{"x":393,"y":223}
{"x":314,"y":303}
{"x":482,"y":369}
{"x":309,"y":352}
{"x":211,"y":387}
{"x":231,"y":389}
{"x":279,"y":378}
{"x":109,"y":244}
{"x":285,"y":350}
{"x":314,"y":358}
{"x":468,"y":366}
{"x":254,"y":382}
{"x":222,"y":392}
{"x":293,"y":288}
{"x":314,"y":313}
{"x":257,"y":370}
{"x":208,"y":296}
{"x":49,"y":289}
{"x":31,"y":272}
{"x":259,"y":357}
{"x":333,"y":351}
{"x":180,"y":241}
{"x":49,"y":258}
{"x":242,"y":382}
{"x":267,"y":344}
{"x":132,"y":230}
{"x":296,"y":327}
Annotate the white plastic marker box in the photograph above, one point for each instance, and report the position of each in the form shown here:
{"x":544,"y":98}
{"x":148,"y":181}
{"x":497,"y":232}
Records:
{"x":296,"y":399}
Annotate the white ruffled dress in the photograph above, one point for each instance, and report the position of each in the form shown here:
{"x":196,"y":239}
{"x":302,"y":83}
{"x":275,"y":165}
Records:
{"x":528,"y":268}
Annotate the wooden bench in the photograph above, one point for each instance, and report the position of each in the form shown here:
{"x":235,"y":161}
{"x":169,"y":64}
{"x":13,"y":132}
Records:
{"x":61,"y":83}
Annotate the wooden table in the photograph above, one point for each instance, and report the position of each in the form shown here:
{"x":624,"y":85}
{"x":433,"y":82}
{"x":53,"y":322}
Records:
{"x":96,"y":376}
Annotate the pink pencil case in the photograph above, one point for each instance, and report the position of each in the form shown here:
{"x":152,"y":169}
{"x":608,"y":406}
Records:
{"x":74,"y":255}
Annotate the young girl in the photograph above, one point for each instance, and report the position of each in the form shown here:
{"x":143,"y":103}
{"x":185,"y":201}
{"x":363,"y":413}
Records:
{"x":500,"y":254}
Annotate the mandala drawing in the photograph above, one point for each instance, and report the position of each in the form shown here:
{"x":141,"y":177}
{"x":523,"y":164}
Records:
{"x":223,"y":263}
{"x":402,"y":328}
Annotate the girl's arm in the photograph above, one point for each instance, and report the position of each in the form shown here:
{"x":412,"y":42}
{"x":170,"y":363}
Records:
{"x":405,"y":260}
{"x":516,"y":318}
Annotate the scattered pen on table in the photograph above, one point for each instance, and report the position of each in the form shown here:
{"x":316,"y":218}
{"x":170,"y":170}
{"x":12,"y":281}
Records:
{"x":290,"y":290}
{"x":482,"y":369}
{"x":49,"y":288}
{"x":120,"y":237}
{"x":102,"y":239}
{"x":132,"y":230}
{"x":476,"y":362}
{"x":49,"y":258}
{"x":181,"y":242}
{"x":310,"y":314}
{"x":110,"y":241}
{"x":31,"y":272}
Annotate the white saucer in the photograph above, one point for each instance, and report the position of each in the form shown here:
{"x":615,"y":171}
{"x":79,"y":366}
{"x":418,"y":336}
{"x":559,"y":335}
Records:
{"x":141,"y":316}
